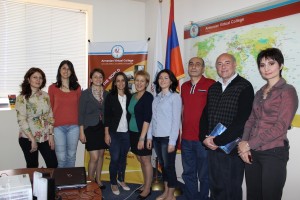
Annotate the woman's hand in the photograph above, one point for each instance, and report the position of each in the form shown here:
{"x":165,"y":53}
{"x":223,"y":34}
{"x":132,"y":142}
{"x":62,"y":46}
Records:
{"x":171,"y":148}
{"x":149,"y":144}
{"x":82,"y":137}
{"x":51,"y":142}
{"x":33,"y":146}
{"x":107,"y":139}
{"x":141,"y":145}
{"x":246,"y":157}
{"x":243,"y":147}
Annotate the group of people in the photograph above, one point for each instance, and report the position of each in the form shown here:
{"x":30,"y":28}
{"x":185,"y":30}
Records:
{"x":120,"y":121}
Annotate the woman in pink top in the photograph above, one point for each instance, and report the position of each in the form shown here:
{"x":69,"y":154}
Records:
{"x":265,"y":147}
{"x":64,"y":97}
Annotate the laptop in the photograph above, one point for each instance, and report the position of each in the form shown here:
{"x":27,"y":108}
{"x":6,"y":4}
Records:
{"x":69,"y":178}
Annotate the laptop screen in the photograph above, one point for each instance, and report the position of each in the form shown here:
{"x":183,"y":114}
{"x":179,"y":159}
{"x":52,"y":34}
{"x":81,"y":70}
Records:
{"x":69,"y":177}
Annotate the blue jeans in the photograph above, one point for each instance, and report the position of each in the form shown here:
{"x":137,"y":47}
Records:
{"x":118,"y":149}
{"x":166,"y":160}
{"x":66,"y":141}
{"x":195,"y":167}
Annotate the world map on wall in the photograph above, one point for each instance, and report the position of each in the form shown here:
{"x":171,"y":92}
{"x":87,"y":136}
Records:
{"x":246,"y":42}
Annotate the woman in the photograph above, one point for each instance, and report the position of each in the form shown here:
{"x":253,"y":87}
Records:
{"x":35,"y":119}
{"x":91,"y":107}
{"x":141,"y":113}
{"x":265,"y":147}
{"x":164,"y":128}
{"x":116,"y":130}
{"x":64,"y":98}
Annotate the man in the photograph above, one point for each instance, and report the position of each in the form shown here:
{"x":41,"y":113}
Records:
{"x":194,"y":155}
{"x":229,"y":102}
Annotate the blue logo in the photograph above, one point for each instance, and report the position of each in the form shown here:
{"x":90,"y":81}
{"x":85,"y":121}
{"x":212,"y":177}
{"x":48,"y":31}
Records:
{"x":194,"y":30}
{"x":117,"y":51}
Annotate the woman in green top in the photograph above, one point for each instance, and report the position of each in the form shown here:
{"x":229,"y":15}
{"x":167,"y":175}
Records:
{"x":140,"y":108}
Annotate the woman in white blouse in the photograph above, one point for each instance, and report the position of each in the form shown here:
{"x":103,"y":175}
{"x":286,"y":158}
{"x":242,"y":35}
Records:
{"x":116,"y":130}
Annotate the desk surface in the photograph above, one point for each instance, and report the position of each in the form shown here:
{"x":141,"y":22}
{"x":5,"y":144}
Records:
{"x":91,"y":191}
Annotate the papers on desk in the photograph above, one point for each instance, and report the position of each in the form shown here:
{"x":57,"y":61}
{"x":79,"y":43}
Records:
{"x":218,"y":130}
{"x":15,"y":187}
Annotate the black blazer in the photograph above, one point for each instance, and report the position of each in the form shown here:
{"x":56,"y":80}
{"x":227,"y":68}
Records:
{"x":143,"y":110}
{"x":113,"y":111}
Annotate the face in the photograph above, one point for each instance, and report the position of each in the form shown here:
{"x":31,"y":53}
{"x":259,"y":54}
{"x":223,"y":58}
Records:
{"x":225,"y":67}
{"x":195,"y":68}
{"x":140,"y":83}
{"x":65,"y":72}
{"x":120,"y":82}
{"x":164,"y":81}
{"x":97,"y":79}
{"x":269,"y":69}
{"x":35,"y":81}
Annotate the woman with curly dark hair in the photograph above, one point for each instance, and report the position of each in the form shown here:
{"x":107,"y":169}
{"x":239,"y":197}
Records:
{"x":64,"y":97}
{"x":35,"y":119}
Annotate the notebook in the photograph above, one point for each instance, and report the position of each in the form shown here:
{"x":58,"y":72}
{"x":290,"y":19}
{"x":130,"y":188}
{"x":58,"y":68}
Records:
{"x":69,"y":178}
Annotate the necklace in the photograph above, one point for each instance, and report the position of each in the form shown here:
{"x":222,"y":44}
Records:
{"x":66,"y":87}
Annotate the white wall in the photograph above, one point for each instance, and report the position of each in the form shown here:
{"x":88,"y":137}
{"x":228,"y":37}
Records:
{"x":125,"y":20}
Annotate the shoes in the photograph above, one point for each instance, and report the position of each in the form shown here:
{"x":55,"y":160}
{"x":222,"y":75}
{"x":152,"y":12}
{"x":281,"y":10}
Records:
{"x":124,"y":186}
{"x":138,"y":191}
{"x":140,"y":197}
{"x":102,"y":187}
{"x":115,"y":192}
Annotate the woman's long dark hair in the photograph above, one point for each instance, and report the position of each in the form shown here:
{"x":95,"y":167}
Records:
{"x":172,"y":77}
{"x":25,"y":86}
{"x":114,"y":89}
{"x":73,"y":80}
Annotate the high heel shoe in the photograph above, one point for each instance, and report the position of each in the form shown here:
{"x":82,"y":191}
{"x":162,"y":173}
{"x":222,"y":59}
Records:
{"x":115,"y":192}
{"x":125,"y":187}
{"x":140,"y":197}
{"x":102,"y":187}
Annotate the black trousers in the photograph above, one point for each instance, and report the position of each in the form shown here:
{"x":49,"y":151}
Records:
{"x":266,"y":176}
{"x":32,"y":159}
{"x":226,"y":173}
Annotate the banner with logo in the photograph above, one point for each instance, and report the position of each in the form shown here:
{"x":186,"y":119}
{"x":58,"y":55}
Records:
{"x":113,"y":57}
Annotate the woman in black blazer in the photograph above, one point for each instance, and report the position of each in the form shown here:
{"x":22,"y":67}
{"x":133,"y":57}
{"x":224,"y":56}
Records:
{"x":116,"y":130}
{"x":140,"y":108}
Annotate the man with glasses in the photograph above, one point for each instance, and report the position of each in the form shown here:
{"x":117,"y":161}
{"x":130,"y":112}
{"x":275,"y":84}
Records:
{"x":229,"y":101}
{"x":194,"y":155}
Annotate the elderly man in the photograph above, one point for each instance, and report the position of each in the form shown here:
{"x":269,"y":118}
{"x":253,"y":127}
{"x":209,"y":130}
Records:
{"x":229,"y":102}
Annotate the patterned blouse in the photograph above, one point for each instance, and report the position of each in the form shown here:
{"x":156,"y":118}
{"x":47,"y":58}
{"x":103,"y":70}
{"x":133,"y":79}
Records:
{"x":35,"y":116}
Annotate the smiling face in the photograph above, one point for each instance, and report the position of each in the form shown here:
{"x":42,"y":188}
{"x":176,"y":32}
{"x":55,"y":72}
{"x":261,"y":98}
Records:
{"x":97,"y":79}
{"x":120,"y":83}
{"x":164,"y":81}
{"x":140,"y":83}
{"x":225,"y":66}
{"x":65,"y":72}
{"x":269,"y":69}
{"x":35,"y":81}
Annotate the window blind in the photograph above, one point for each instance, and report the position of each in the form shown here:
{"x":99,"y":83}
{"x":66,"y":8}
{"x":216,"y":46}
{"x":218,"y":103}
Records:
{"x":34,"y":35}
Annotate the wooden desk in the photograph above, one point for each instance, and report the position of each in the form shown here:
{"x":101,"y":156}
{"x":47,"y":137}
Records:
{"x":91,"y":191}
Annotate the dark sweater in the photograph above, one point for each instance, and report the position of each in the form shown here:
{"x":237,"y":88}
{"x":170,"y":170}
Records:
{"x":231,"y":108}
